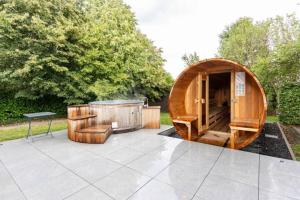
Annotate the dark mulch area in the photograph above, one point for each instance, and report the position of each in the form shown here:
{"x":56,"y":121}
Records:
{"x":265,"y":144}
{"x":271,"y":144}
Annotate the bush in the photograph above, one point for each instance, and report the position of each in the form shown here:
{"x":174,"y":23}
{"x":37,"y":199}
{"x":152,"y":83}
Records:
{"x":12,"y":109}
{"x":289,"y":104}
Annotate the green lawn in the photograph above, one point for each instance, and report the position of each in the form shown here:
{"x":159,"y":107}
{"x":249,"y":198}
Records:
{"x":19,"y":132}
{"x":272,"y":118}
{"x":165,"y":118}
{"x":296,"y":150}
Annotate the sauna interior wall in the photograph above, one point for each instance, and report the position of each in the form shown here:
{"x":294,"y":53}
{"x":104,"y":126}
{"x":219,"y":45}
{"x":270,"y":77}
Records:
{"x":219,"y":89}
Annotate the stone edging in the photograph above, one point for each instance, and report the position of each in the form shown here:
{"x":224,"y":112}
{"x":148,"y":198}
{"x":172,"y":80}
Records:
{"x":286,"y":141}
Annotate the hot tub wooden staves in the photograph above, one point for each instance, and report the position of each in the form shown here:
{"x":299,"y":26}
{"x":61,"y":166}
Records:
{"x":94,"y":122}
{"x":218,"y":101}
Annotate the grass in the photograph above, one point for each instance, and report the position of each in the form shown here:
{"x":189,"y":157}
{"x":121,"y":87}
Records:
{"x":296,"y":150}
{"x":272,"y":118}
{"x":21,"y":131}
{"x":165,"y":118}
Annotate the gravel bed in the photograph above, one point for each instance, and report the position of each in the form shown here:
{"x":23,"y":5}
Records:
{"x":270,"y":142}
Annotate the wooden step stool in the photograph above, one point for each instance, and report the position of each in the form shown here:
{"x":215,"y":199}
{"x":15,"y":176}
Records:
{"x":94,"y":134}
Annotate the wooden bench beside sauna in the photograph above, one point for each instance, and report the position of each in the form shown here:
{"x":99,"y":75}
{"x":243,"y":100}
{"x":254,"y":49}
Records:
{"x":94,"y":122}
{"x":218,"y":101}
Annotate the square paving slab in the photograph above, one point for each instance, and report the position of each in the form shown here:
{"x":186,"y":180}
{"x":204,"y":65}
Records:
{"x":141,"y":165}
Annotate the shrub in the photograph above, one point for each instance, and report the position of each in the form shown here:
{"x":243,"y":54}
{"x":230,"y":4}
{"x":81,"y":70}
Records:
{"x":12,"y":109}
{"x":289,"y":104}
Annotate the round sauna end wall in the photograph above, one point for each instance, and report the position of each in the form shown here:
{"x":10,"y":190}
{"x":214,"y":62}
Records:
{"x":218,"y":96}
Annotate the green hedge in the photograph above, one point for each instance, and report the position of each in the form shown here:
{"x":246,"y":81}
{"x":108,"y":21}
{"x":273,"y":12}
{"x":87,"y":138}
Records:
{"x":12,"y":109}
{"x":289,"y":104}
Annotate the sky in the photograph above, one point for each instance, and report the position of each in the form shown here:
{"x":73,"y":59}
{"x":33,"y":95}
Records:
{"x":187,"y":26}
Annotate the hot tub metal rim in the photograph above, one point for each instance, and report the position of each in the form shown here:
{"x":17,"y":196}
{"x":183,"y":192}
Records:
{"x":117,"y":102}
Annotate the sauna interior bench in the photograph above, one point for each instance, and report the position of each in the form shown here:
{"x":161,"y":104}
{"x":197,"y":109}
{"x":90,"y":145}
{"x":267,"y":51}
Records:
{"x":249,"y":123}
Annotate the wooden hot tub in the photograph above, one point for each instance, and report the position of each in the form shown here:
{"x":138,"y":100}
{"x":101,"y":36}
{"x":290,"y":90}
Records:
{"x":121,"y":114}
{"x":94,"y":122}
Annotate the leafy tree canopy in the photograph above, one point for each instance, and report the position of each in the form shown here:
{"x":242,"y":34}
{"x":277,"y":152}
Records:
{"x":77,"y":50}
{"x":271,"y":48}
{"x":190,"y":59}
{"x":244,"y":41}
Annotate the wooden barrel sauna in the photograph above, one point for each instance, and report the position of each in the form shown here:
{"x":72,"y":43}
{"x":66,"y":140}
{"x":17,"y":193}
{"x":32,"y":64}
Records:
{"x":218,"y":101}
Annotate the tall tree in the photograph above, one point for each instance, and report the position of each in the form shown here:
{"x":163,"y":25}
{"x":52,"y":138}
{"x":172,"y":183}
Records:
{"x":244,"y":41}
{"x":77,"y":50}
{"x":39,"y":48}
{"x":120,"y":61}
{"x":283,"y":30}
{"x":280,"y":68}
{"x":270,"y":48}
{"x":190,"y":59}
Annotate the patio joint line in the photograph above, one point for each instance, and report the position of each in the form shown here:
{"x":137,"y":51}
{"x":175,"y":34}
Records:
{"x":13,"y":179}
{"x":258,"y":192}
{"x":89,"y":183}
{"x":76,"y":192}
{"x":152,"y":178}
{"x":208,"y":172}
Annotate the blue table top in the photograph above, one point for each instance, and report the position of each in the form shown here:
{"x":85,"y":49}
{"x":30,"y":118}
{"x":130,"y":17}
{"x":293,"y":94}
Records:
{"x":38,"y":115}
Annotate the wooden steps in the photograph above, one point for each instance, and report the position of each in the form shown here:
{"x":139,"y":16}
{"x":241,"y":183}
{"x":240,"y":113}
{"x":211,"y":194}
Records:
{"x":215,"y":138}
{"x":94,"y":134}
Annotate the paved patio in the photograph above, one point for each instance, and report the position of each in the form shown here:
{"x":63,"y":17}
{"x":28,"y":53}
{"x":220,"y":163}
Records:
{"x":141,"y":165}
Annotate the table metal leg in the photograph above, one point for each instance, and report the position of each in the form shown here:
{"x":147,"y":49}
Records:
{"x":29,"y":130}
{"x":49,"y":127}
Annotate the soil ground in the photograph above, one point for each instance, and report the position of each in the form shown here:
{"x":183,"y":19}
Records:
{"x":293,"y":136}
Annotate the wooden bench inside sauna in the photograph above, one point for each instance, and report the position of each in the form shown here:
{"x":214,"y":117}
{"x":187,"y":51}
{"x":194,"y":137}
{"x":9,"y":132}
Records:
{"x":94,"y":122}
{"x":218,"y":101}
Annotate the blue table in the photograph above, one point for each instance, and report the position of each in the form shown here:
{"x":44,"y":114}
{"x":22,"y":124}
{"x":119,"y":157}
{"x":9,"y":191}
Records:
{"x":39,"y":115}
